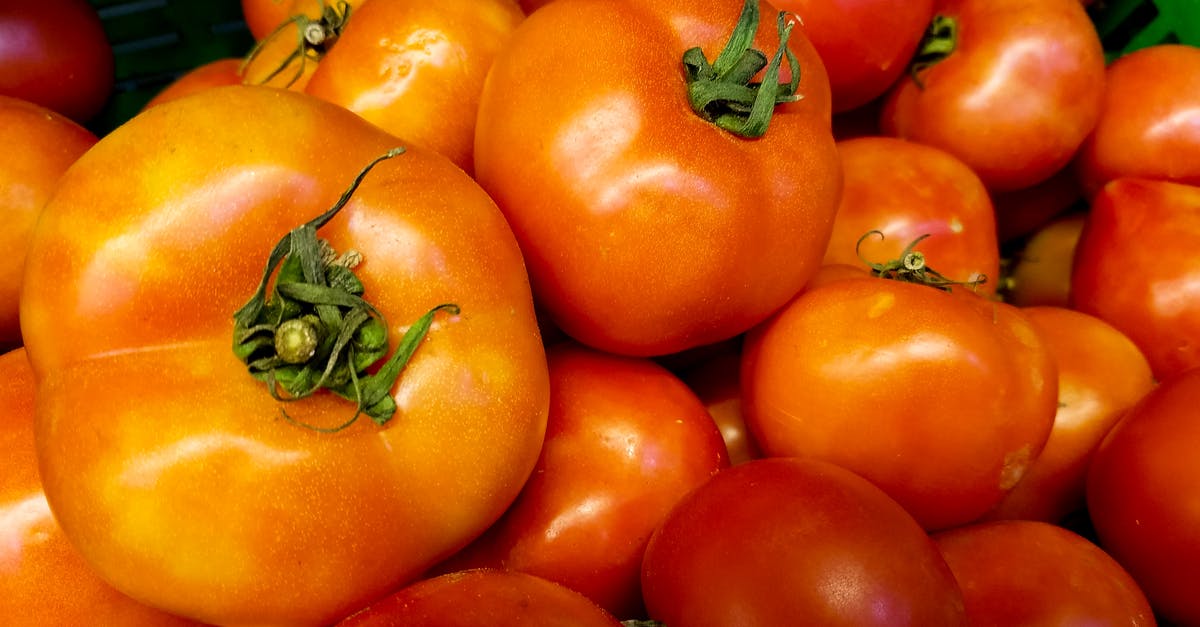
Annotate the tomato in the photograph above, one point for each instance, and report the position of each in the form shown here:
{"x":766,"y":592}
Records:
{"x":647,"y":229}
{"x":45,"y":581}
{"x":180,"y":477}
{"x":1150,"y":124}
{"x":625,"y":440}
{"x":716,"y":380}
{"x":1020,"y":213}
{"x":864,"y":44}
{"x":1034,"y":573}
{"x":1015,"y":96}
{"x":1041,"y":270}
{"x":264,"y":16}
{"x":1142,"y":490}
{"x":483,"y":598}
{"x":41,"y":145}
{"x":943,"y":399}
{"x":790,"y":541}
{"x":226,"y":71}
{"x":1101,"y":374}
{"x":55,"y":53}
{"x":289,"y":54}
{"x":1136,"y":268}
{"x":906,"y":190}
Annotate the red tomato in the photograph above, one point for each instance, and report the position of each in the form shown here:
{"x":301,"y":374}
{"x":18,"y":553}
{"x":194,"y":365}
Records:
{"x":1136,"y":268}
{"x":626,"y":439}
{"x":793,"y":541}
{"x":1142,"y":491}
{"x":1150,"y":124}
{"x":212,"y":74}
{"x":45,"y":581}
{"x":716,"y":380}
{"x":55,"y":53}
{"x":483,"y":598}
{"x":1101,"y":373}
{"x":39,"y":146}
{"x":943,"y":399}
{"x":646,"y":228}
{"x":1014,"y":98}
{"x":1023,"y":573}
{"x":177,"y":474}
{"x":907,"y":190}
{"x":864,"y":44}
{"x":1041,"y":270}
{"x":1022,"y":212}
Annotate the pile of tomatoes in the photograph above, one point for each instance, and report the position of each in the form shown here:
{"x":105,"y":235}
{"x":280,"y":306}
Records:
{"x":575,"y":312}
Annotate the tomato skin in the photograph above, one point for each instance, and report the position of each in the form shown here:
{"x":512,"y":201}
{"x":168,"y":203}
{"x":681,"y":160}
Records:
{"x":789,"y":541}
{"x":1101,"y":374}
{"x":906,"y":190}
{"x":1142,"y":490}
{"x":647,"y":230}
{"x":942,"y":399}
{"x":1046,"y":51}
{"x":264,"y":16}
{"x":1135,"y":267}
{"x":626,"y":439}
{"x":215,"y":73}
{"x":716,"y":380}
{"x":1149,"y":126}
{"x":55,"y":54}
{"x":168,"y":465}
{"x":41,"y":144}
{"x":1036,"y":573}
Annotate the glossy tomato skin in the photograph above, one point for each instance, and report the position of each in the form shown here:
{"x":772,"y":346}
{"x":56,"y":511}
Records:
{"x":170,"y":467}
{"x":1048,"y":52}
{"x":1136,"y":267}
{"x":56,"y":54}
{"x":943,"y":399}
{"x":790,"y":541}
{"x":626,"y":439}
{"x":1142,"y":487}
{"x":648,"y":230}
{"x":1149,"y":126}
{"x":907,"y":190}
{"x":226,"y":71}
{"x":41,"y":145}
{"x":864,"y":44}
{"x":1030,"y":573}
{"x":46,"y":582}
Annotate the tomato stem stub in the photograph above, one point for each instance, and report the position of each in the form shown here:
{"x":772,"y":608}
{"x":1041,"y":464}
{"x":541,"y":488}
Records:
{"x":315,"y":331}
{"x":722,"y":92}
{"x":940,"y":39}
{"x":313,"y":38}
{"x":911,"y":267}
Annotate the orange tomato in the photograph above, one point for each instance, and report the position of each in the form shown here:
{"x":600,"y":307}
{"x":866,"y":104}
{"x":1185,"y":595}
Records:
{"x":212,"y":74}
{"x":1041,"y":270}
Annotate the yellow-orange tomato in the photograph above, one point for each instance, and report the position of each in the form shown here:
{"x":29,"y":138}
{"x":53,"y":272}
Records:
{"x":179,"y":477}
{"x":215,"y":73}
{"x":1041,"y":272}
{"x":264,"y":16}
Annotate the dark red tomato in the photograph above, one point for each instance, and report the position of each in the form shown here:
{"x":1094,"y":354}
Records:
{"x":1014,"y":98}
{"x":1019,"y":213}
{"x":906,"y":190}
{"x":483,"y":598}
{"x":1136,"y":267}
{"x":791,"y":541}
{"x":1150,"y":124}
{"x":1101,"y":373}
{"x":716,"y":381}
{"x":1040,"y":273}
{"x":55,"y":53}
{"x":1143,"y":488}
{"x":865,"y":44}
{"x":626,"y":439}
{"x":212,"y":74}
{"x":1024,"y":573}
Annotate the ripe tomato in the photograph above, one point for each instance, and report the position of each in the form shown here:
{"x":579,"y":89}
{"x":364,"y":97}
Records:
{"x":212,"y":74}
{"x":483,"y":598}
{"x":905,"y":190}
{"x":647,"y":229}
{"x":55,"y":53}
{"x":40,"y":146}
{"x":1136,"y":268}
{"x":46,"y":582}
{"x":1022,"y":572}
{"x":1016,"y":94}
{"x":1150,"y":124}
{"x":1020,"y":213}
{"x":716,"y":380}
{"x":793,"y":541}
{"x":264,"y":16}
{"x":1101,"y":373}
{"x":943,"y":399}
{"x":1142,"y":490}
{"x":1041,"y":270}
{"x":864,"y":44}
{"x":177,"y":474}
{"x":625,"y":440}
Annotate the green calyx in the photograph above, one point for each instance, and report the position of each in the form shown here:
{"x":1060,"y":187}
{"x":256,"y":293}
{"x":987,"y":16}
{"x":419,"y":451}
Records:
{"x":722,"y":92}
{"x":911,"y":267}
{"x":940,"y":39}
{"x":315,"y":331}
{"x":313,"y":38}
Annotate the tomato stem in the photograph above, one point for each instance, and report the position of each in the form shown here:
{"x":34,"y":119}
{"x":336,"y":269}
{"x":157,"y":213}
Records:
{"x":313,"y":37}
{"x":315,"y":331}
{"x":940,"y":39}
{"x":722,"y":92}
{"x":911,"y":267}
